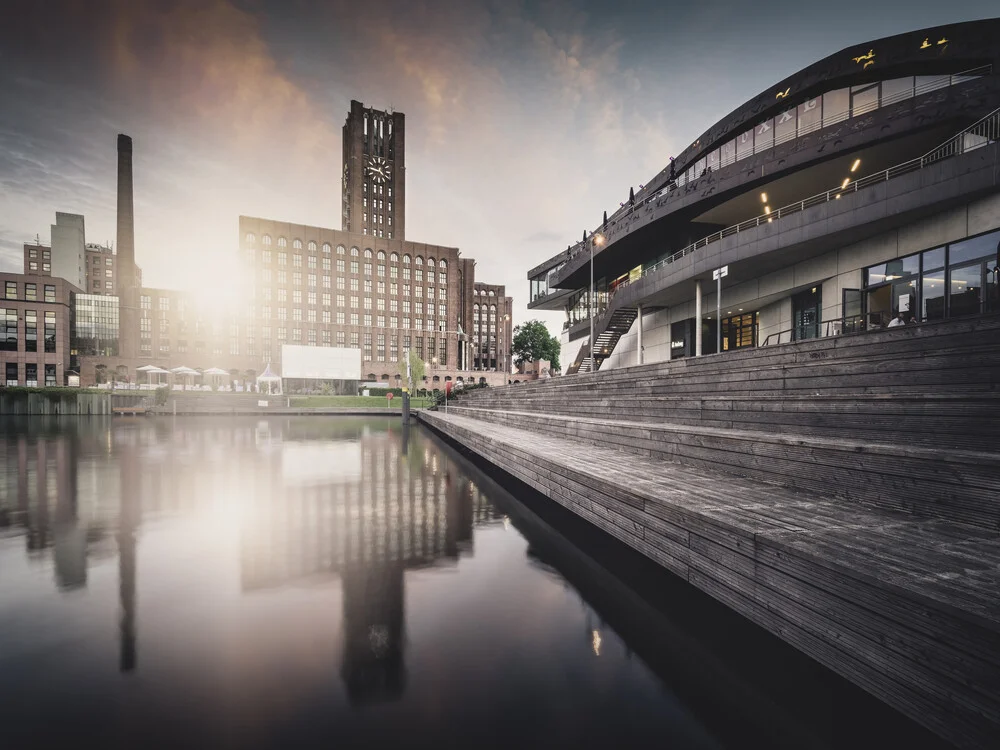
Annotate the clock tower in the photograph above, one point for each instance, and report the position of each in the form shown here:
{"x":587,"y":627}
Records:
{"x":374,"y":179}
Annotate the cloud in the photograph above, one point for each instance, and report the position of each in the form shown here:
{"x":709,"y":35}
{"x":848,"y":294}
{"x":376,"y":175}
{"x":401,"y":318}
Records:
{"x":521,"y":122}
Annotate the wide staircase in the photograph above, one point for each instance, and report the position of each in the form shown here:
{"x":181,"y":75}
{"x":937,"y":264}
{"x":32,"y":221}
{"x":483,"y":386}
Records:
{"x":180,"y":402}
{"x":843,"y":493}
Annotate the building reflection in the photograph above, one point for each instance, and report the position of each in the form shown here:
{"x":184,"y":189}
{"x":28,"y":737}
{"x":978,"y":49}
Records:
{"x":391,"y":505}
{"x":348,"y":500}
{"x":39,"y":494}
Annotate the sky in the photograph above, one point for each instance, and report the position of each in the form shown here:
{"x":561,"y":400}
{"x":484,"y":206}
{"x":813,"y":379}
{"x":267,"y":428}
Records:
{"x":525,"y":120}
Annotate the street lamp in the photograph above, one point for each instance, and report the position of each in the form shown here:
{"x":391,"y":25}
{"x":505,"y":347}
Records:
{"x":595,"y":239}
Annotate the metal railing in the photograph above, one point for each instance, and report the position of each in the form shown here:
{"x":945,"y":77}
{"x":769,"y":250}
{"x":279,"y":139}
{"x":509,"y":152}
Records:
{"x":831,"y":328}
{"x":918,"y":90}
{"x":980,"y":134}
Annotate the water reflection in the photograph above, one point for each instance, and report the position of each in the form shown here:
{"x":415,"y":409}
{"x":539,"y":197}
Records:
{"x":344,"y":500}
{"x":308,"y":582}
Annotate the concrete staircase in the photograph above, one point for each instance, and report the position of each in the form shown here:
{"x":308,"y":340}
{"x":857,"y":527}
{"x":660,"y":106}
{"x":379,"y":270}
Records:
{"x":906,"y":418}
{"x":843,"y":493}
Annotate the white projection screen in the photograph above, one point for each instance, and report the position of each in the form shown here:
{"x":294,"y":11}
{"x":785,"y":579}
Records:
{"x":320,"y":363}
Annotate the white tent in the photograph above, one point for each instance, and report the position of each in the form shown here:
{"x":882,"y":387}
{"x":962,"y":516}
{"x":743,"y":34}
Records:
{"x":215,"y":373}
{"x":268,"y":382}
{"x":184,"y":373}
{"x":152,"y":370}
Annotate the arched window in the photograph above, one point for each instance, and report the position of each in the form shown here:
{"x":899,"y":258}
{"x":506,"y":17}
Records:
{"x":251,"y":238}
{"x":493,"y":310}
{"x":354,"y":252}
{"x":282,"y":242}
{"x":380,"y":255}
{"x":492,"y":293}
{"x":297,"y":244}
{"x":431,"y":262}
{"x":326,"y":248}
{"x":442,"y":263}
{"x":406,"y":260}
{"x":368,"y":252}
{"x":394,"y":257}
{"x":266,"y":239}
{"x":312,"y":245}
{"x":341,"y":249}
{"x":420,"y":260}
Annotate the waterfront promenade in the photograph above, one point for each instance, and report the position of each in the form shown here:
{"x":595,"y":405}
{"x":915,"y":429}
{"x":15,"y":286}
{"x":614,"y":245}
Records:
{"x":840,"y":493}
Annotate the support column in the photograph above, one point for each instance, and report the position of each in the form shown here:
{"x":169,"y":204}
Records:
{"x":697,"y":317}
{"x":670,"y":334}
{"x":639,"y":321}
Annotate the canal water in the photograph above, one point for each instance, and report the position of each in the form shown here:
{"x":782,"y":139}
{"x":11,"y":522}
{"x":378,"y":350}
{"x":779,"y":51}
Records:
{"x":342,"y":582}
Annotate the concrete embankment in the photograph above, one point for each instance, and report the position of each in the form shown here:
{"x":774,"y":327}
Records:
{"x":842,"y":494}
{"x":60,"y":401}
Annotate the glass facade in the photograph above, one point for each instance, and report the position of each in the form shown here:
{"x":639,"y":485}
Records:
{"x":948,"y":281}
{"x":828,"y":109}
{"x":97,"y":325}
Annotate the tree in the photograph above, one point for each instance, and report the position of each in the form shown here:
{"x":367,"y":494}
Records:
{"x":532,"y":341}
{"x":417,"y":369}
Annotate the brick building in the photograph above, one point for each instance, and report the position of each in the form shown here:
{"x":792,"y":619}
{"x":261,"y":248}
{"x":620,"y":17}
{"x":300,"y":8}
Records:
{"x":491,"y":333}
{"x":36,"y":326}
{"x":367,"y":289}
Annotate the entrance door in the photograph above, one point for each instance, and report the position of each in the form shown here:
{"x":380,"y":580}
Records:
{"x":805,"y":315}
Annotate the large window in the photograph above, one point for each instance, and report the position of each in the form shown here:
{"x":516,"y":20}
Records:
{"x":810,"y":115}
{"x":30,"y":331}
{"x":836,"y":106}
{"x":50,"y":332}
{"x":8,"y":331}
{"x":949,"y":281}
{"x":864,"y":99}
{"x":784,"y":126}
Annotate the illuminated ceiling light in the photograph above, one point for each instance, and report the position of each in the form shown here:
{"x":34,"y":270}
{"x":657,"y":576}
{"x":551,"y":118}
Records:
{"x":763,"y":197}
{"x":813,"y":290}
{"x":844,"y":184}
{"x":855,"y":165}
{"x":767,"y":209}
{"x":741,"y":309}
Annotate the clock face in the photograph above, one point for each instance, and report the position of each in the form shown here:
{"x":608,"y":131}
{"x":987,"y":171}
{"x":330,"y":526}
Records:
{"x":378,"y":169}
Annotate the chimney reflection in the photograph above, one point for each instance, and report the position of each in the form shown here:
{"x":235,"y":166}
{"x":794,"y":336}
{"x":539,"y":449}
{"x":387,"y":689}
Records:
{"x":128,"y":522}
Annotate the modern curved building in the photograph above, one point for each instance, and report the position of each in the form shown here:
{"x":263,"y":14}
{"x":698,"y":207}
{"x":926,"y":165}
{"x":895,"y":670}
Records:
{"x":859,"y":191}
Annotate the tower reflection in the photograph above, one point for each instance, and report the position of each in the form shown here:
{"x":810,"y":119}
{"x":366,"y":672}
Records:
{"x":388,"y":505}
